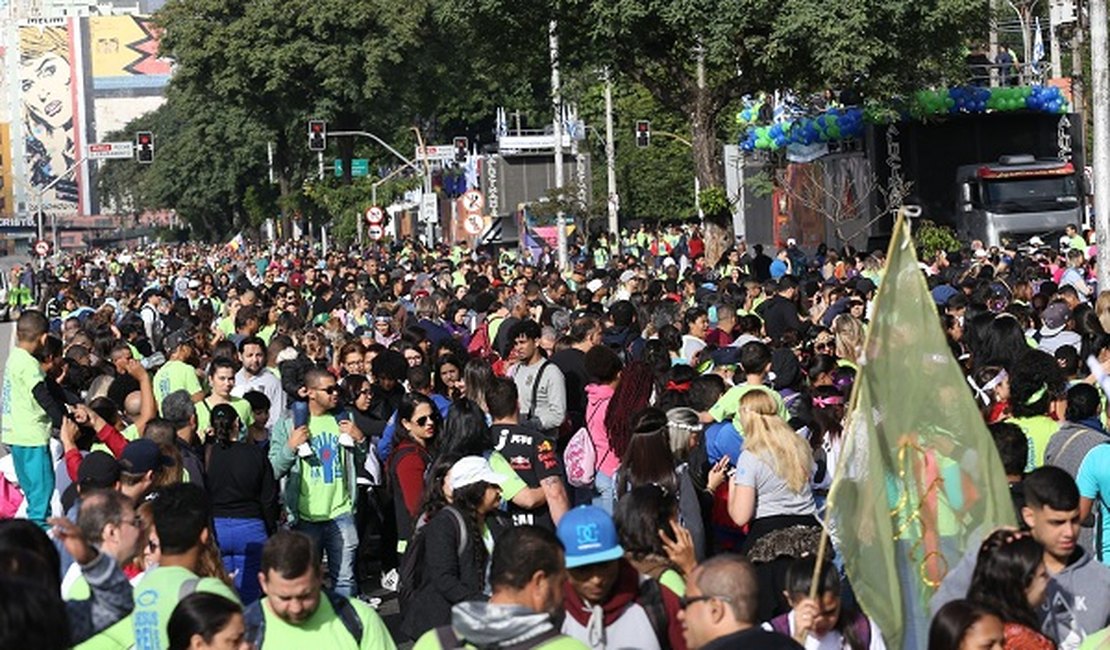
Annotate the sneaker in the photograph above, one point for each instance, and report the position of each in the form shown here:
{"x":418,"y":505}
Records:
{"x":390,"y":579}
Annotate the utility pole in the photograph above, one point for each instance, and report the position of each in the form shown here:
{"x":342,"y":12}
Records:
{"x":611,"y":157}
{"x":1100,"y":105}
{"x":557,"y":101}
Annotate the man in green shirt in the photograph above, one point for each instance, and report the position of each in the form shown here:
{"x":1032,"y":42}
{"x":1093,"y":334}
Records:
{"x":755,"y":362}
{"x":297,"y":613}
{"x":180,"y":372}
{"x":24,"y":423}
{"x":320,"y":490}
{"x":527,"y":575}
{"x":181,"y":518}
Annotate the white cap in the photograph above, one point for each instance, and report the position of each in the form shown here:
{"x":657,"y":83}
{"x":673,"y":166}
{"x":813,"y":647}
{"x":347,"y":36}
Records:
{"x":627,"y":276}
{"x":791,"y":242}
{"x":469,"y":470}
{"x":194,"y":284}
{"x":1036,"y":241}
{"x":593,"y":286}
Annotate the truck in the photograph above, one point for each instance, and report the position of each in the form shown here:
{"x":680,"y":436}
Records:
{"x":1015,"y":198}
{"x":1000,"y":178}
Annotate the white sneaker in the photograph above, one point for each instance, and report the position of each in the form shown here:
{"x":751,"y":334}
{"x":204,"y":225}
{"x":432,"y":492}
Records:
{"x":390,"y":580}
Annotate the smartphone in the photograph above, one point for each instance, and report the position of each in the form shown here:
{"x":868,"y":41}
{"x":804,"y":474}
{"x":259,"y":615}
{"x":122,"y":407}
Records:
{"x":300,"y":414}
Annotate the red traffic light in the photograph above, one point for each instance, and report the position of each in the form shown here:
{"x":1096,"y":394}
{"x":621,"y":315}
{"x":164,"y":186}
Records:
{"x":643,"y":126}
{"x":144,"y":138}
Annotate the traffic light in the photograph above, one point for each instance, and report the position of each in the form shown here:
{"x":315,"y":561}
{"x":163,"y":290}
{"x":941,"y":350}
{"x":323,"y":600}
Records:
{"x":317,"y":135}
{"x":144,"y":144}
{"x":643,"y":133}
{"x":462,"y":146}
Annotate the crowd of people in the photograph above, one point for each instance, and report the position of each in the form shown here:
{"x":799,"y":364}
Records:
{"x":217,"y":448}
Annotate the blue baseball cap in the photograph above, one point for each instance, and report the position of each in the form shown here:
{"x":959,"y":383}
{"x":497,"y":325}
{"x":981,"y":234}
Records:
{"x":589,"y":537}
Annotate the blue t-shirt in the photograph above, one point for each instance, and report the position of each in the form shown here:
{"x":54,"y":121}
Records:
{"x":1093,"y":480}
{"x":778,"y":269}
{"x":722,"y":439}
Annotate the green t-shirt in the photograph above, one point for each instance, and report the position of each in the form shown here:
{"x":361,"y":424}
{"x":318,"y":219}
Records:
{"x":672,"y":580}
{"x":118,"y":636}
{"x":1037,"y":429}
{"x":1098,"y":641}
{"x":25,"y":423}
{"x":175,"y":375}
{"x":156,"y":596}
{"x":728,"y":406}
{"x":204,"y":415}
{"x":324,"y":629}
{"x":267,"y":333}
{"x":513,"y":483}
{"x":323,"y":490}
{"x":227,"y":325}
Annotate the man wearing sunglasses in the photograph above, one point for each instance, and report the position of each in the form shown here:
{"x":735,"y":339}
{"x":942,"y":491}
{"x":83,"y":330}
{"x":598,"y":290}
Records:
{"x":319,"y":492}
{"x":720,"y":608}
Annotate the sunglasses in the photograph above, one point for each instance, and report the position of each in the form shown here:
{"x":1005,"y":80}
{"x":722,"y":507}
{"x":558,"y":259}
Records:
{"x":330,"y":390}
{"x":686,"y":601}
{"x":423,"y":420}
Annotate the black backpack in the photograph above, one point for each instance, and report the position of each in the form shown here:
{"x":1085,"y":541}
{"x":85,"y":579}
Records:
{"x":411,"y":571}
{"x":255,"y":620}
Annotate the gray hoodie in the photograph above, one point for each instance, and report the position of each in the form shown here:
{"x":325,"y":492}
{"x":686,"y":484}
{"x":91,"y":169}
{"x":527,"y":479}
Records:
{"x":1077,"y":602}
{"x":490,"y":625}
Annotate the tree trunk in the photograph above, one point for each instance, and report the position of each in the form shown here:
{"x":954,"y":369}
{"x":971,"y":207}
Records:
{"x":707,"y":168}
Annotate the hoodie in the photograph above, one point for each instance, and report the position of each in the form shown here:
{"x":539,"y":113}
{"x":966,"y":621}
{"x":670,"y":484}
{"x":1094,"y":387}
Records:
{"x":487,"y":625}
{"x":1077,"y":601}
{"x":625,"y":619}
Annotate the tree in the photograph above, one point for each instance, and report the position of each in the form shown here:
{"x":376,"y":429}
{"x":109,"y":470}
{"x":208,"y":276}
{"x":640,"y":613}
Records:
{"x":697,"y":57}
{"x":206,"y":160}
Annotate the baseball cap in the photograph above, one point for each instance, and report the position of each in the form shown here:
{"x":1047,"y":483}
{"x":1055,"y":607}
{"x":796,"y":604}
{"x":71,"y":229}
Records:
{"x":593,"y":286}
{"x":942,"y":292}
{"x":469,"y":470}
{"x":97,"y":470}
{"x":1054,"y":318}
{"x":627,"y":276}
{"x":142,"y":456}
{"x":589,"y":537}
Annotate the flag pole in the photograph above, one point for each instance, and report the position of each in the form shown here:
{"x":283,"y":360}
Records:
{"x":822,"y":546}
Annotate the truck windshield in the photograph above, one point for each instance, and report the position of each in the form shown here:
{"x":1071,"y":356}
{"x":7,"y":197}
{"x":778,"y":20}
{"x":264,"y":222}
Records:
{"x":1029,"y":194}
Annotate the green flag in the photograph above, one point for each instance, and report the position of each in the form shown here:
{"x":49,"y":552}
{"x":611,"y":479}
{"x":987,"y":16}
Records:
{"x":919,"y":477}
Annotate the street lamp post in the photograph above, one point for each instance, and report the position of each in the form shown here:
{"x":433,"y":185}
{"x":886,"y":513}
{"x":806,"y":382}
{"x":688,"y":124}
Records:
{"x":41,"y":194}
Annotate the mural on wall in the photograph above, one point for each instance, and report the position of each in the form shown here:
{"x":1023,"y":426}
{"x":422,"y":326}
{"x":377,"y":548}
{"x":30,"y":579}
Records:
{"x":47,"y":90}
{"x":6,"y":199}
{"x":124,"y":56}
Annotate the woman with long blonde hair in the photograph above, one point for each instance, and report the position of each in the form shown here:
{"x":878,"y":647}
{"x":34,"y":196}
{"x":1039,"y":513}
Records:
{"x":772,"y":491}
{"x":848,"y":331}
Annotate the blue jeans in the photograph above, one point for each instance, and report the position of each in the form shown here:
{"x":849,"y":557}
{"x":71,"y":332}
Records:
{"x":35,"y":471}
{"x":338,"y":540}
{"x":241,"y":542}
{"x":605,"y":490}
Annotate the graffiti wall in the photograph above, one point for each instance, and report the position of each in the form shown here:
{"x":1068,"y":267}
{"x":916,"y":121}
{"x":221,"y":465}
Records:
{"x":48,"y":93}
{"x":66,"y":83}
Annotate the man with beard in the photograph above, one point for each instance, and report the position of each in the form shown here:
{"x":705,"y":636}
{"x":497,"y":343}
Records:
{"x":298,"y":613}
{"x":527,"y":575}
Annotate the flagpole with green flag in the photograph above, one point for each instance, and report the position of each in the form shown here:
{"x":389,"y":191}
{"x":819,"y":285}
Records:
{"x":919,"y":478}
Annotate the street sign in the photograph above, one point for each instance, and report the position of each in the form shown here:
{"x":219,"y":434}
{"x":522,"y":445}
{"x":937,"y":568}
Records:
{"x":103,"y":150}
{"x":429,"y":208}
{"x":375,"y":215}
{"x":375,"y":231}
{"x":473,"y":202}
{"x":42,"y":248}
{"x":440,"y":152}
{"x":492,"y":235}
{"x":359,"y":167}
{"x":473,"y":224}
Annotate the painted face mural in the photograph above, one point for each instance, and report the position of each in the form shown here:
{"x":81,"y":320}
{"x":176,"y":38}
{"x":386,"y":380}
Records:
{"x":47,"y":99}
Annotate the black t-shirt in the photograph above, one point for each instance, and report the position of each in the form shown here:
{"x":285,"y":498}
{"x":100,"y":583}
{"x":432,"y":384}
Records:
{"x":753,"y":638}
{"x":532,"y":455}
{"x":572,"y":362}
